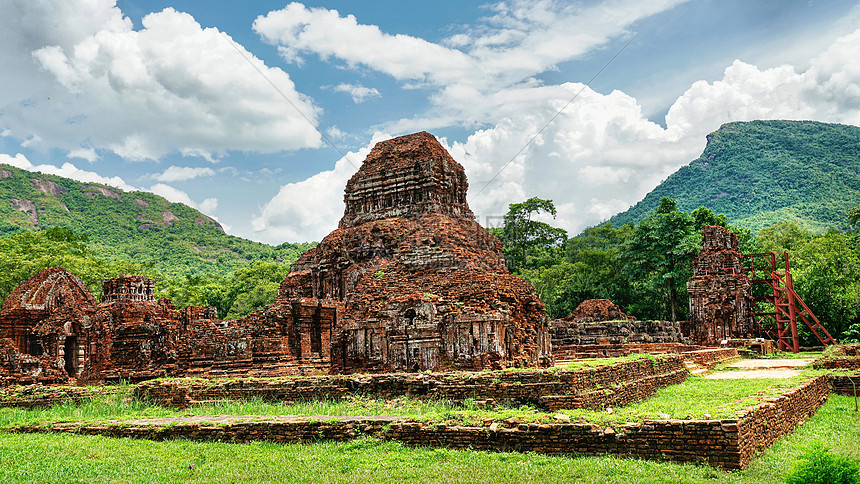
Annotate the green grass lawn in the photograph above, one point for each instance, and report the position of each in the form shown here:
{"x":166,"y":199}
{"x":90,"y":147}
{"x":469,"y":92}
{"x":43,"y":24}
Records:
{"x":69,"y":458}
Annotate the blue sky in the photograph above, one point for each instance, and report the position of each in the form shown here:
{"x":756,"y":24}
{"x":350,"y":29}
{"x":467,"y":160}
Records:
{"x":174,"y":97}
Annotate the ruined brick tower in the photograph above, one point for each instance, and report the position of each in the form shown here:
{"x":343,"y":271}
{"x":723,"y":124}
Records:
{"x":423,"y":284}
{"x":720,"y":291}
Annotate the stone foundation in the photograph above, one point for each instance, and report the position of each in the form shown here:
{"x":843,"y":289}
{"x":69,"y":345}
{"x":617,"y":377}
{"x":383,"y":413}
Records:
{"x":574,"y":352}
{"x":620,"y":384}
{"x":844,"y":357}
{"x":729,"y":443}
{"x":709,"y":358}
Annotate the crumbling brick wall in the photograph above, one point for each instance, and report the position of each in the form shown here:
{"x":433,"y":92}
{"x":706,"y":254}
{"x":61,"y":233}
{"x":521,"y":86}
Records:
{"x":617,"y":384}
{"x":54,"y":331}
{"x":728,"y":443}
{"x":600,"y":322}
{"x":720,"y":292}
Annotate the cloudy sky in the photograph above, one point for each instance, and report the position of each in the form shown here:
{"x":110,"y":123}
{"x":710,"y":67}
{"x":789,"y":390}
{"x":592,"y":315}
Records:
{"x":258,"y":112}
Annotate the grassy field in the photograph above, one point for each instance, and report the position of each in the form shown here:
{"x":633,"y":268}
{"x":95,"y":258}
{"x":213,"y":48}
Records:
{"x":65,"y":458}
{"x":51,"y":458}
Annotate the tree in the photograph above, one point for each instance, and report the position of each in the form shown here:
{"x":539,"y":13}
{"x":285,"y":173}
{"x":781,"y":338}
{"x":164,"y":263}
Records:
{"x":523,"y":235}
{"x":703,"y":217}
{"x":254,"y":287}
{"x":826,"y":274}
{"x":854,"y":215}
{"x":247,"y":289}
{"x":784,"y":236}
{"x":661,"y":251}
{"x":24,"y":254}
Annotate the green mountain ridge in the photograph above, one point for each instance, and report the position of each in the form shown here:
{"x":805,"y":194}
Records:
{"x":139,"y":226}
{"x":759,"y":173}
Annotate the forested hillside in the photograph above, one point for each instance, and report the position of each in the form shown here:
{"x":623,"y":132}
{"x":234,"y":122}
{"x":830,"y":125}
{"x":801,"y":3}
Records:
{"x":760,"y":173}
{"x":172,"y":238}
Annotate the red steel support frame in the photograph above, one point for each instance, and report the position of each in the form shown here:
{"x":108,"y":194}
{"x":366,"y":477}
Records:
{"x":786,"y":303}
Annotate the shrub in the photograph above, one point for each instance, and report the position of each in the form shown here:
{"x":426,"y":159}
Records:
{"x":816,"y":464}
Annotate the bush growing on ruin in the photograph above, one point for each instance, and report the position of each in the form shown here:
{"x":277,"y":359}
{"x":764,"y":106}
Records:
{"x":817,"y":464}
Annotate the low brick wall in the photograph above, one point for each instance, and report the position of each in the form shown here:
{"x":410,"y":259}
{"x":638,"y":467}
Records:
{"x":729,"y":443}
{"x":712,"y":357}
{"x":33,"y":396}
{"x":761,"y":425}
{"x":618,"y":384}
{"x":840,"y":383}
{"x":838,"y":363}
{"x":571,"y":351}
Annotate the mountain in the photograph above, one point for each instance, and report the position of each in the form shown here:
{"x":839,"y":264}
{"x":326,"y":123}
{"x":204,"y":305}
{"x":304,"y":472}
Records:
{"x":760,"y":173}
{"x":140,"y":226}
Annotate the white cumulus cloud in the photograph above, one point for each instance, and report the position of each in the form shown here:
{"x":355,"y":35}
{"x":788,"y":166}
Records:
{"x":601,"y":154}
{"x":79,"y":77}
{"x":358,"y":92}
{"x":182,"y":173}
{"x":311,"y":208}
{"x":67,"y":170}
{"x":175,"y":195}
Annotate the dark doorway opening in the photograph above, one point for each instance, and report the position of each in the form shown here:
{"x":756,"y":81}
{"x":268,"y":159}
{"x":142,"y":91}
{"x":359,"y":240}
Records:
{"x":70,"y":354}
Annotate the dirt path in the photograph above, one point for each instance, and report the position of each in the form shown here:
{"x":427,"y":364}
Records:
{"x":754,"y":369}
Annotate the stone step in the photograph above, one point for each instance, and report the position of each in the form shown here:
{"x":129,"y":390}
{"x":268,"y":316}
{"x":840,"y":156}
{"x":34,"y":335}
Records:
{"x":694,"y":368}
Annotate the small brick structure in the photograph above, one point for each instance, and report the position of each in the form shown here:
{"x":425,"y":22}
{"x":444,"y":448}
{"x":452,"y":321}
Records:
{"x":721,"y":304}
{"x":54,"y":331}
{"x":598,"y":328}
{"x":596,"y":387}
{"x":592,"y":310}
{"x":844,"y":357}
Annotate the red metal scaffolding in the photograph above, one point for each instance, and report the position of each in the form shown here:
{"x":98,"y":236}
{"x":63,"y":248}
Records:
{"x":787,"y":305}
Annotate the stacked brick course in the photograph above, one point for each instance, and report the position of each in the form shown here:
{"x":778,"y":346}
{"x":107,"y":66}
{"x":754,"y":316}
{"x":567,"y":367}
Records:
{"x":597,"y":387}
{"x":845,"y":383}
{"x":598,"y":328}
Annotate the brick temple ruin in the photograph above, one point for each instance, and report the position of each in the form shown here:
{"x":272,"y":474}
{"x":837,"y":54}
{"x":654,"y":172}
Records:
{"x":424,"y":286}
{"x":408,"y":282}
{"x":721,"y":302}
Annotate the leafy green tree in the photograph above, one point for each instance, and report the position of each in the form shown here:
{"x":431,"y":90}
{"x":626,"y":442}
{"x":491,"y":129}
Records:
{"x":528,"y":241}
{"x":24,"y":254}
{"x":854,"y":215}
{"x":247,"y":289}
{"x":703,"y":217}
{"x":196,"y":290}
{"x":254,"y":287}
{"x":826,"y":272}
{"x":661,"y":251}
{"x":784,"y":236}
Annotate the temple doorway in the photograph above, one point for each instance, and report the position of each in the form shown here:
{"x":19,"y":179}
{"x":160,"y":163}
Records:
{"x":70,"y":355}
